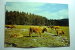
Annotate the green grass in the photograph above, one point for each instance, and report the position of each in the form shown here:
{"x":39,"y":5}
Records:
{"x":47,"y":40}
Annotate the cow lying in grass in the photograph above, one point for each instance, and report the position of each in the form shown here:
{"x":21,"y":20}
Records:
{"x":10,"y":26}
{"x":16,"y":35}
{"x":38,"y":30}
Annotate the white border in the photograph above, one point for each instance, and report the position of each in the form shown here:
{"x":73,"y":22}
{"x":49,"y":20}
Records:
{"x":71,"y":23}
{"x":48,"y":1}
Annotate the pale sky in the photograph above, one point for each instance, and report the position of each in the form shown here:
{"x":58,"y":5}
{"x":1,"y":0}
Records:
{"x":48,"y":10}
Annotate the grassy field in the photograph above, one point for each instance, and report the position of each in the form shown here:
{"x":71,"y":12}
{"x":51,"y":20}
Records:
{"x":24,"y":41}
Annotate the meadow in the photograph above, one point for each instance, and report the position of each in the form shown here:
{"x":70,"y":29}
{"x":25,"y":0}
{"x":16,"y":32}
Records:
{"x":47,"y":39}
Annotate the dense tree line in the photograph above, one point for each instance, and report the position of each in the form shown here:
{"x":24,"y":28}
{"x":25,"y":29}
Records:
{"x":61,"y":22}
{"x":23,"y":18}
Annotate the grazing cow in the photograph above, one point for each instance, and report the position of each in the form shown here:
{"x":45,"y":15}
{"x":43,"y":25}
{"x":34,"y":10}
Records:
{"x":54,"y":27}
{"x":10,"y":26}
{"x":59,"y":32}
{"x":38,"y":30}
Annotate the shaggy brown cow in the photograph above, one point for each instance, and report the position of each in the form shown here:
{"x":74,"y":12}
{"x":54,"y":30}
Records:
{"x":59,"y":32}
{"x":38,"y":30}
{"x":10,"y":26}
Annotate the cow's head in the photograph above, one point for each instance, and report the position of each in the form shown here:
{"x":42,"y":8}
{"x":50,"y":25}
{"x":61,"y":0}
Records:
{"x":44,"y":30}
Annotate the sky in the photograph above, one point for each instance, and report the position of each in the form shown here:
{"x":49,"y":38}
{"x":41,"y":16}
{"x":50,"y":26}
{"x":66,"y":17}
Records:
{"x":48,"y":10}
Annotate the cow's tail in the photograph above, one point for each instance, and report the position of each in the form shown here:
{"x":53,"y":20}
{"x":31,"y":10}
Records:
{"x":62,"y":32}
{"x":57,"y":32}
{"x":30,"y":32}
